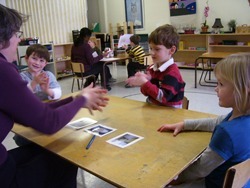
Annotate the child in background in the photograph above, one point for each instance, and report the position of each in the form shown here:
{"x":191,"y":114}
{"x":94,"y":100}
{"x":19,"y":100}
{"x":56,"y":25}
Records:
{"x":229,"y":144}
{"x":42,"y":83}
{"x":137,"y":52}
{"x":163,"y":83}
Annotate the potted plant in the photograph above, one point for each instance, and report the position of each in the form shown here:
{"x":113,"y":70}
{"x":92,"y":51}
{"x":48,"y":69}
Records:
{"x":232,"y":25}
{"x":204,"y":26}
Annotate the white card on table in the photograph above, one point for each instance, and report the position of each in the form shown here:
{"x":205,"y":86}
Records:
{"x":125,"y":140}
{"x":100,"y":130}
{"x":81,"y":123}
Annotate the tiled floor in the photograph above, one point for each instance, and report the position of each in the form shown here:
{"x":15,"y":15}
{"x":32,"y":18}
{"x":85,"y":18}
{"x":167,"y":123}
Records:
{"x":201,"y":99}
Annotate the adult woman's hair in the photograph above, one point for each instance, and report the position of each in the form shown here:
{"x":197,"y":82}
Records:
{"x":84,"y":32}
{"x":236,"y":69}
{"x":10,"y":22}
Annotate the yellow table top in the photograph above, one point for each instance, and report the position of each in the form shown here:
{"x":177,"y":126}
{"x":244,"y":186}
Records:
{"x":215,"y":55}
{"x":151,"y":162}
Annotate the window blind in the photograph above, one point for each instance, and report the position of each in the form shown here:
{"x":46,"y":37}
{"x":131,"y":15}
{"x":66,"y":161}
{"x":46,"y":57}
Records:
{"x":51,"y":20}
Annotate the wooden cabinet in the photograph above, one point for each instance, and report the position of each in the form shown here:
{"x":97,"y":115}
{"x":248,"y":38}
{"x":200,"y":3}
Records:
{"x":190,"y":47}
{"x":193,"y":45}
{"x":229,"y":43}
{"x":62,"y":60}
{"x":118,"y":30}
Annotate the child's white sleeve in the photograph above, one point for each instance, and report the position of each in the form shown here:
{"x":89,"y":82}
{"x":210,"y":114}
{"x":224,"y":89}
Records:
{"x":57,"y":93}
{"x":30,"y":88}
{"x":205,"y":124}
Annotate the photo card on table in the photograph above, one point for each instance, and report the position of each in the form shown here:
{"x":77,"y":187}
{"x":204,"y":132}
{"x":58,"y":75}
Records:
{"x":81,"y":123}
{"x":125,"y":139}
{"x":100,"y":130}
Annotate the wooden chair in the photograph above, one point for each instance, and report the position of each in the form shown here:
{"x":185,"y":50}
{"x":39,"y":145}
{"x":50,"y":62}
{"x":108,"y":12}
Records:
{"x":185,"y":103}
{"x":148,"y":60}
{"x":238,"y":175}
{"x":78,"y":74}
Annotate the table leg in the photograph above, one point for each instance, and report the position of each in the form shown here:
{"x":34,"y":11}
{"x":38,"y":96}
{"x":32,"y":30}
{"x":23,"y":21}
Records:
{"x":104,"y":76}
{"x":195,"y":72}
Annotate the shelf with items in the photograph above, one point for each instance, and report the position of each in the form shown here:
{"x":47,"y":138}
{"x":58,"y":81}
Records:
{"x":229,"y":43}
{"x":118,"y":30}
{"x":62,"y":59}
{"x":51,"y":64}
{"x":190,"y":47}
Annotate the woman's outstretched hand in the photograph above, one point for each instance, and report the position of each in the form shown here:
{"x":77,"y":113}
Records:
{"x":96,"y":97}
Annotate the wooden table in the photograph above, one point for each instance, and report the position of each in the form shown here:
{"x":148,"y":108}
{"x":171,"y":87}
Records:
{"x":109,"y":60}
{"x":151,"y":162}
{"x":209,"y":56}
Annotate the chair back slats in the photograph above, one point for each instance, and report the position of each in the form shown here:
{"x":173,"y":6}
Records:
{"x":148,"y":60}
{"x":185,"y":103}
{"x":238,"y":175}
{"x":77,"y":67}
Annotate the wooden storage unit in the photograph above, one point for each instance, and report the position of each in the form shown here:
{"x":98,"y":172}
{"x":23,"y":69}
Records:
{"x":51,"y":64}
{"x":190,"y":47}
{"x":62,"y":59}
{"x":193,"y":45}
{"x":229,"y":43}
{"x":126,"y":28}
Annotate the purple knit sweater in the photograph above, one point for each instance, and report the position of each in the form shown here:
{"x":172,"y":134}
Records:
{"x":18,"y":104}
{"x":86,"y":55}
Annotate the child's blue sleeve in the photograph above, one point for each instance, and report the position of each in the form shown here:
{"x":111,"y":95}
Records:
{"x":221,"y":143}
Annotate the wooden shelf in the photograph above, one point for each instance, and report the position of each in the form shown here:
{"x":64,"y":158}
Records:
{"x":210,"y":42}
{"x":186,"y":50}
{"x":63,"y":60}
{"x":230,"y":46}
{"x":63,"y":75}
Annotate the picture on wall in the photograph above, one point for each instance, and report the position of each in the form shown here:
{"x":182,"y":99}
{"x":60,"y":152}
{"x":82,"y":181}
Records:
{"x":183,"y":7}
{"x":134,"y":12}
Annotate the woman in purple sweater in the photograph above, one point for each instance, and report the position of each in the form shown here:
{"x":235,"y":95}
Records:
{"x":83,"y":52}
{"x":32,"y":166}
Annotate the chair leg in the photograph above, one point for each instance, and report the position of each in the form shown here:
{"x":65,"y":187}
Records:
{"x":82,"y":83}
{"x":72,"y":88}
{"x":78,"y":84}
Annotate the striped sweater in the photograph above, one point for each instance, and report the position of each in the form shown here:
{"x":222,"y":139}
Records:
{"x":137,"y":53}
{"x":166,"y":86}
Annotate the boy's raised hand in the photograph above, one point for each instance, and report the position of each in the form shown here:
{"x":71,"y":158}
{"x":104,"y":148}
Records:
{"x":137,"y":80}
{"x":177,"y":127}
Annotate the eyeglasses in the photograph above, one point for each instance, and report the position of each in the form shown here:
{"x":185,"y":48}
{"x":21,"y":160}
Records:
{"x":19,"y":34}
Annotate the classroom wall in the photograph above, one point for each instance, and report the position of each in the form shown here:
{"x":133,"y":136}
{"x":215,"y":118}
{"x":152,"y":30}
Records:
{"x":157,"y":13}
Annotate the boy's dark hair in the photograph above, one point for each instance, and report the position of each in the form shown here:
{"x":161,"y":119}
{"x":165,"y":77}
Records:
{"x":10,"y":22}
{"x":84,"y":32}
{"x":135,"y":39}
{"x":165,"y":35}
{"x":39,"y":51}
